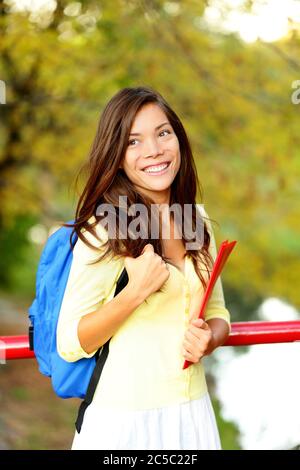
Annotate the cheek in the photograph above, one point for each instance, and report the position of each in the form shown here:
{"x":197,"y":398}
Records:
{"x":130,"y":167}
{"x":129,"y":163}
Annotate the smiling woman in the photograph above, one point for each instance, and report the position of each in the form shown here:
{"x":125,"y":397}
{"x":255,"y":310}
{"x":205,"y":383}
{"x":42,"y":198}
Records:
{"x":152,"y":161}
{"x":144,"y":398}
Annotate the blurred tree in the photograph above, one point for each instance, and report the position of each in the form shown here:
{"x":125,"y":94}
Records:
{"x":229,"y":432}
{"x":62,"y":66}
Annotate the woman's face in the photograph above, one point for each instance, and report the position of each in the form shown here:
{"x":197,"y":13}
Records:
{"x":152,"y":158}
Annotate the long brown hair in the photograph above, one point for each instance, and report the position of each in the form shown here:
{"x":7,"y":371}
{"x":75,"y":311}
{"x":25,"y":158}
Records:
{"x":106,"y":181}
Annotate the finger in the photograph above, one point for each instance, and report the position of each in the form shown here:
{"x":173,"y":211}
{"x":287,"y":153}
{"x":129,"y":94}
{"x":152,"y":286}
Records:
{"x":197,"y":322}
{"x":194,"y":334}
{"x":198,"y":332}
{"x":188,"y":346}
{"x":200,"y":324}
{"x":194,"y":341}
{"x":194,"y":348}
{"x":148,"y":248}
{"x":188,"y":356}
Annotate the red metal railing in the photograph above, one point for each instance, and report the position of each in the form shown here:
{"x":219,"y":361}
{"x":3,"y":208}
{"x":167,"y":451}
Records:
{"x":242,"y":333}
{"x":15,"y":347}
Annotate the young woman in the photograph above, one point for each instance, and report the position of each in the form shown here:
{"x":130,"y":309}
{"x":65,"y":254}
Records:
{"x":144,"y":398}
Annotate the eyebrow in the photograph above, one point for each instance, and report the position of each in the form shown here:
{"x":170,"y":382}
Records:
{"x":158,"y":127}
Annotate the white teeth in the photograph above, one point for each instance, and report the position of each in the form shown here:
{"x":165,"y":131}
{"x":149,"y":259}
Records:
{"x":154,"y":169}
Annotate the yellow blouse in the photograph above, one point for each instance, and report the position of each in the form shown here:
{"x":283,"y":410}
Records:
{"x":144,"y":366}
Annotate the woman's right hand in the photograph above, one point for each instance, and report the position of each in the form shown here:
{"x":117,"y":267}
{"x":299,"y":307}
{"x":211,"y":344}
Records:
{"x":146,"y":273}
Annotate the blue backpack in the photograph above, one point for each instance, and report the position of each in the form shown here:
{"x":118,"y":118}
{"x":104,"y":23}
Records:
{"x":69,"y":379}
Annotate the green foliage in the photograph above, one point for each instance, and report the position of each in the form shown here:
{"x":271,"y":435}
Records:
{"x":234,"y":99}
{"x":229,"y":433}
{"x":19,"y":257}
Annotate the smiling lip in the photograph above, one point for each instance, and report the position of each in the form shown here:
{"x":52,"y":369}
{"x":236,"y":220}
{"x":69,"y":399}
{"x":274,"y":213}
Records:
{"x":156,"y":165}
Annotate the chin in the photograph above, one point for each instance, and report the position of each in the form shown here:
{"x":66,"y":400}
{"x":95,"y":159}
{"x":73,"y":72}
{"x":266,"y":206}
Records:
{"x":160,"y":183}
{"x":157,"y":187}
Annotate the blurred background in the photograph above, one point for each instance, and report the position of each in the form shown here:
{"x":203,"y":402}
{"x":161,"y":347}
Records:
{"x":231,"y":70}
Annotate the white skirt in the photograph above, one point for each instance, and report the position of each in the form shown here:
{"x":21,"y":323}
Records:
{"x":190,"y":425}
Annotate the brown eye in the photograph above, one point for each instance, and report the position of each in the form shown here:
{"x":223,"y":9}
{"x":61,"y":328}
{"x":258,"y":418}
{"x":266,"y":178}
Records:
{"x":166,"y":130}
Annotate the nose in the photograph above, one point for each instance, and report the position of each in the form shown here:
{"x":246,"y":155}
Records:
{"x":151,"y":148}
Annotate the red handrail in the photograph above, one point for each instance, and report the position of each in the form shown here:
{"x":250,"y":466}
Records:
{"x":15,"y":347}
{"x":264,"y":332}
{"x":242,"y":334}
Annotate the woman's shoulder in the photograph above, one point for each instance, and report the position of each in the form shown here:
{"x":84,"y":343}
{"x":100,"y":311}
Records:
{"x":83,"y":250}
{"x":100,"y":231}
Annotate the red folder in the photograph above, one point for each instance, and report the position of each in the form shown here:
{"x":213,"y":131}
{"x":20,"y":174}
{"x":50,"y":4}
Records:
{"x":224,"y":251}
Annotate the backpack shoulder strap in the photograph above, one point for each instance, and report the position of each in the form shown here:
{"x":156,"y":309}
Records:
{"x":102,"y":354}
